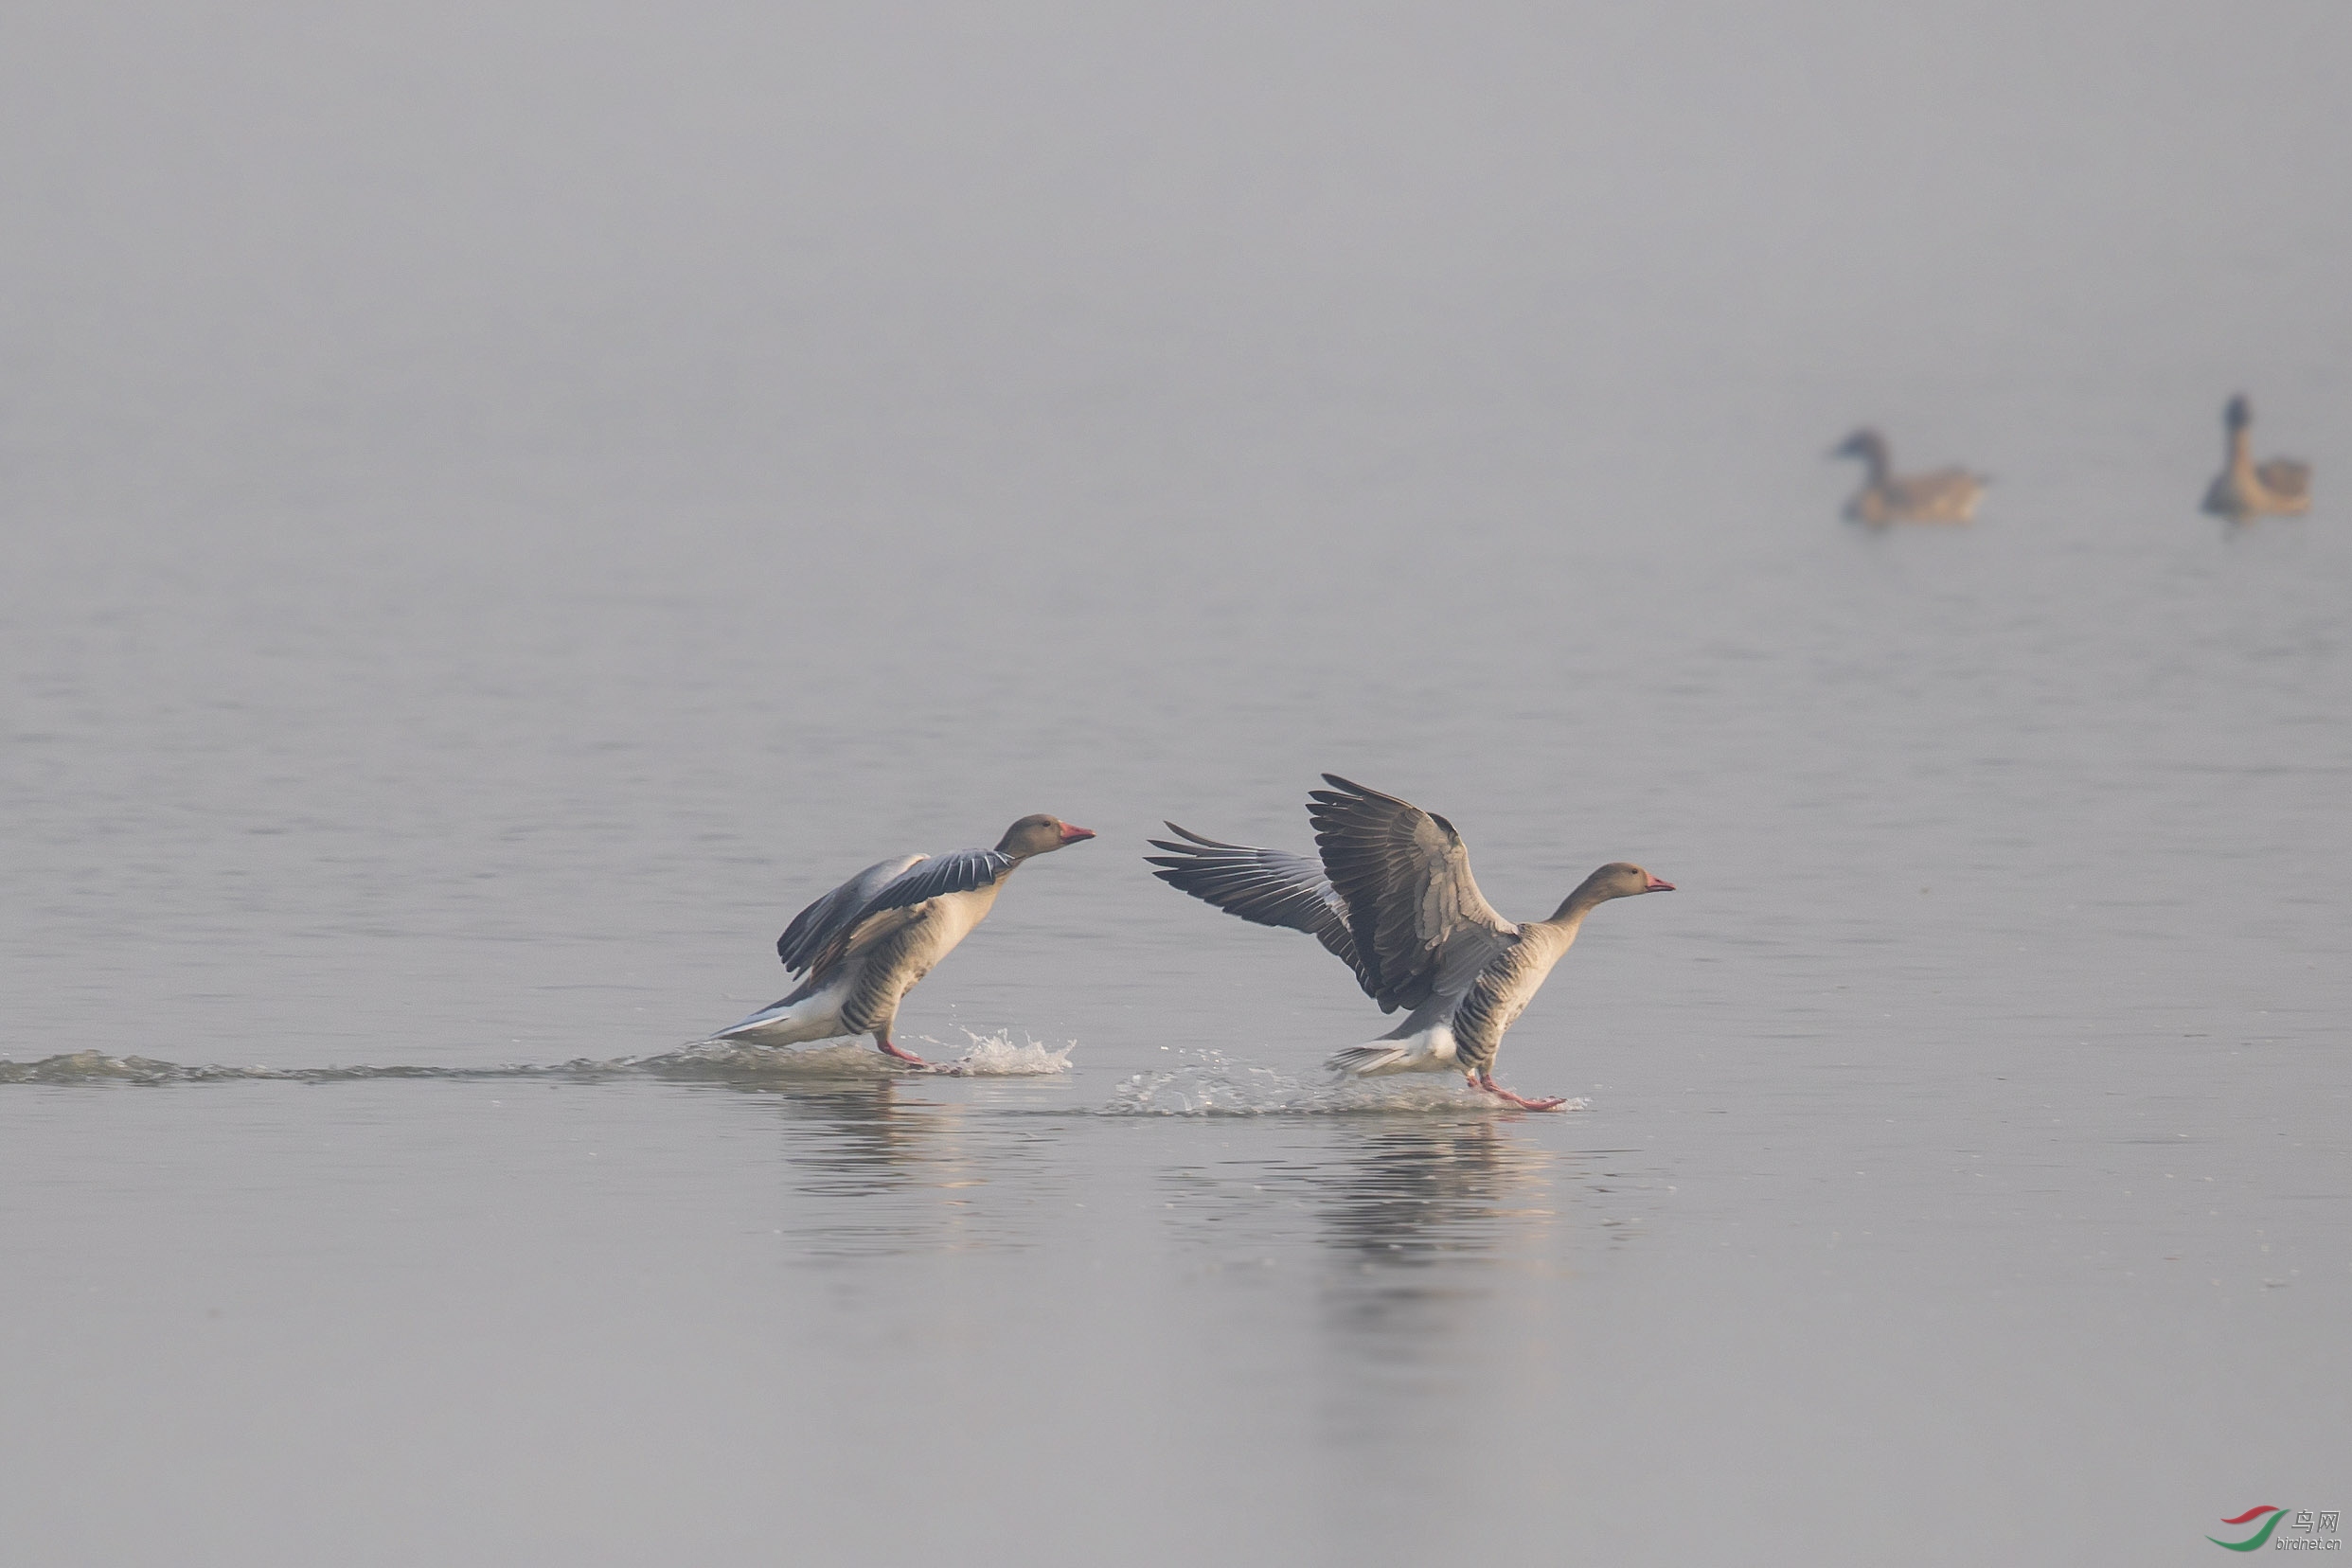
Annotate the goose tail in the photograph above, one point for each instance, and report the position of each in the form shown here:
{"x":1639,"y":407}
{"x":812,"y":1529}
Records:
{"x":1363,"y":1061}
{"x":797,"y":1019}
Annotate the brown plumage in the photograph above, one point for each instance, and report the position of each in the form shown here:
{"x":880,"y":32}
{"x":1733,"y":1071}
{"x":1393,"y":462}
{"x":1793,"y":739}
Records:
{"x":863,"y":946}
{"x":1391,"y":894}
{"x":1948,"y":495}
{"x":2244,"y":488}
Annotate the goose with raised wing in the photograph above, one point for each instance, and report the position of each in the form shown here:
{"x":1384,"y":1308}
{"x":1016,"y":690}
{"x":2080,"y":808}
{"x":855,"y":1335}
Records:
{"x":1948,"y":495}
{"x":2244,"y":488}
{"x":861,"y":947}
{"x":1393,"y":897}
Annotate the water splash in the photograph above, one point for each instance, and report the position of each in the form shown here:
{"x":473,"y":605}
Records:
{"x":722,"y":1061}
{"x":996,"y":1056}
{"x":1210,"y":1083}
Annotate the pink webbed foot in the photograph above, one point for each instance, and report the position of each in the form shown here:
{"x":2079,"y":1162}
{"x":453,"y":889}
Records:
{"x":1484,"y":1082}
{"x":889,"y":1049}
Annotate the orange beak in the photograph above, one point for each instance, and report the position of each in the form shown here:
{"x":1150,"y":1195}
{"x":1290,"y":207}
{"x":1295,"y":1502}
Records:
{"x":1070,"y":834}
{"x":1654,"y":885}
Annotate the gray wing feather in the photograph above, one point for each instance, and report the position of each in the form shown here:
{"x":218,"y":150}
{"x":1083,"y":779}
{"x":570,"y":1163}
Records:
{"x":927,"y":878}
{"x":835,"y":913}
{"x":941,"y":873}
{"x":1418,"y":920}
{"x":1269,"y":887}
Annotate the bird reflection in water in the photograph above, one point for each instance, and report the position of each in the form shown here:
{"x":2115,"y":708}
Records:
{"x":1430,"y":1233}
{"x":876,"y":1171}
{"x":1415,"y":1196}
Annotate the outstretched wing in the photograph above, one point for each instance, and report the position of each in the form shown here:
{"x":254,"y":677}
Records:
{"x":1271,"y":887}
{"x":892,"y":904}
{"x":1414,"y":908}
{"x":836,"y":912}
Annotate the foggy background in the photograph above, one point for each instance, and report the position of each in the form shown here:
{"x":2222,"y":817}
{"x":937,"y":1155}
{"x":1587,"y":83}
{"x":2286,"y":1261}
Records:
{"x":877,"y":261}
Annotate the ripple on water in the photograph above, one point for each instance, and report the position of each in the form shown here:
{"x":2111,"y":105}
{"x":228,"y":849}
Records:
{"x":1210,"y":1083}
{"x":986,"y":1055}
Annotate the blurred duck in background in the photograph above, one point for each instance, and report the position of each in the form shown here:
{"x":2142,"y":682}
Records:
{"x":1948,"y":495}
{"x":2246,"y":489}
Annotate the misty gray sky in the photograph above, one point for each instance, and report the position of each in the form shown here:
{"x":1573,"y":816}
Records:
{"x":400,"y":227}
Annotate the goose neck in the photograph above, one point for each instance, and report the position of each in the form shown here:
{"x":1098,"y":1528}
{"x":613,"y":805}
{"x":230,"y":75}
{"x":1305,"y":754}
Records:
{"x":1572,"y":912}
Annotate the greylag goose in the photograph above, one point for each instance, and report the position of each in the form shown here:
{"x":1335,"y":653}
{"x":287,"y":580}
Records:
{"x":1394,"y":899}
{"x":2246,"y":489}
{"x":862,"y":946}
{"x":1948,"y":495}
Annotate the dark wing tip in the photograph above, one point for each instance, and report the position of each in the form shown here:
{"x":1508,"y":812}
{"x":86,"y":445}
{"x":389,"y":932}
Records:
{"x":1349,"y":792}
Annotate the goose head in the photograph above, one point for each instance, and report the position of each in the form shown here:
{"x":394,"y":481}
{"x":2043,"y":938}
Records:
{"x":1617,"y":880}
{"x":1040,"y":834}
{"x":2238,"y":415}
{"x":1622,"y":879}
{"x":1865,"y":443}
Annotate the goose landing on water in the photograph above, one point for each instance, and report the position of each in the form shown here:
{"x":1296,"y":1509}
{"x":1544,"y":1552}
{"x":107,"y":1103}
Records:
{"x":2244,"y":488}
{"x":1394,"y":899}
{"x":1948,"y":495}
{"x":864,"y":945}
